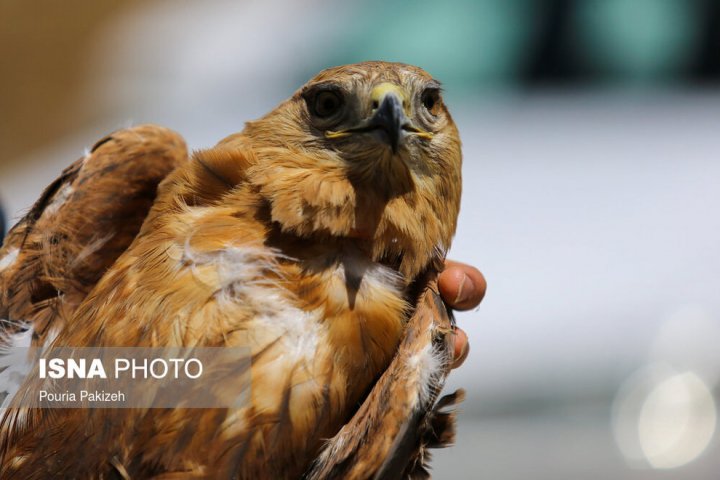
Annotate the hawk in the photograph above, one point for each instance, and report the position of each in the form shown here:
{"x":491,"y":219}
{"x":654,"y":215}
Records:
{"x":313,"y":237}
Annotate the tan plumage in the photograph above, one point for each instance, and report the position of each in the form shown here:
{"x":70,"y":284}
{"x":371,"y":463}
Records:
{"x":308,"y":237}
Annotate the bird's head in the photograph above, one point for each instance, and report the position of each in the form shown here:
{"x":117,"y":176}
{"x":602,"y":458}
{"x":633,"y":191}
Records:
{"x":366,"y":151}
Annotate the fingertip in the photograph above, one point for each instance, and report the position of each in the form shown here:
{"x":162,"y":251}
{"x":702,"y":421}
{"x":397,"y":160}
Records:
{"x":461,"y":347}
{"x":450,"y":283}
{"x":462,"y":286}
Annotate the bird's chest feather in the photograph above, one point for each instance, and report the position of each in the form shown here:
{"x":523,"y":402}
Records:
{"x":359,"y":307}
{"x":320,"y":335}
{"x":321,"y":323}
{"x":331,"y":330}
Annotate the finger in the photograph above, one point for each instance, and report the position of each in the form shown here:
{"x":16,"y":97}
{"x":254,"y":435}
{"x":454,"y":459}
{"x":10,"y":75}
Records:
{"x":461,"y":286}
{"x":462,"y":347}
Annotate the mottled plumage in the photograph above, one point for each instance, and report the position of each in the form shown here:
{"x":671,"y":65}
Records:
{"x":309,"y":237}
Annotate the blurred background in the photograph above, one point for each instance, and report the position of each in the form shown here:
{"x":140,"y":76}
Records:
{"x":591,"y":133}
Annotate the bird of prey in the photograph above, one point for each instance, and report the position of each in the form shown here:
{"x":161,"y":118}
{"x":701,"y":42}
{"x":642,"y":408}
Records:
{"x":313,"y":237}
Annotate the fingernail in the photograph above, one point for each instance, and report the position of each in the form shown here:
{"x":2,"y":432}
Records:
{"x":465,"y":290}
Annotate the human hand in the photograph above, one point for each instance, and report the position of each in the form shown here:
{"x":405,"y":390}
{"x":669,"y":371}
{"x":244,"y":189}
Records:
{"x":462,"y":287}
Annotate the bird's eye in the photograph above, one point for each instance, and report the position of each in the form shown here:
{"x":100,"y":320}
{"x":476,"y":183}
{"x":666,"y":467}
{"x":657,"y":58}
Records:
{"x":431,"y":100}
{"x":327,"y":103}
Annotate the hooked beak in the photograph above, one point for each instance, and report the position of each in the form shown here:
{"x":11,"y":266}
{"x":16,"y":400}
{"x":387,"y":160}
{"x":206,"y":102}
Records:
{"x":388,"y":117}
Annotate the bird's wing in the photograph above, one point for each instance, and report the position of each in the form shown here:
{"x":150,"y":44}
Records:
{"x":80,"y":225}
{"x":389,"y":435}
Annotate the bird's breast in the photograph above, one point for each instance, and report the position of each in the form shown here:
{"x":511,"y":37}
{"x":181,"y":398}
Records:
{"x":330,"y":333}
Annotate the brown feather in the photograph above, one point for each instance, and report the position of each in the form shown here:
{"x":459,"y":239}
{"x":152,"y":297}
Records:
{"x":387,"y":438}
{"x":308,"y":250}
{"x":82,"y":222}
